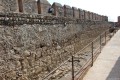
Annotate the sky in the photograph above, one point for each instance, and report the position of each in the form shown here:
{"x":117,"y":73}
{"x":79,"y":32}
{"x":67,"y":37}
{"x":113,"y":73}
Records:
{"x":108,"y":8}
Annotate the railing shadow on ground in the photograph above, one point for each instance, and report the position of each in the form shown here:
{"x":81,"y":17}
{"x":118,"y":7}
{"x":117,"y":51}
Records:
{"x":115,"y":72}
{"x":75,"y":66}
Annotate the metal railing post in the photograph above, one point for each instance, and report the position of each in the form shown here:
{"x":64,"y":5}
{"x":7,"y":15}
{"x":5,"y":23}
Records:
{"x":92,"y":55}
{"x":72,"y":67}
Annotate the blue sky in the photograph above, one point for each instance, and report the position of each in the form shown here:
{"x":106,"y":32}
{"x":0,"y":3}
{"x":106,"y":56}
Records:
{"x":109,"y":8}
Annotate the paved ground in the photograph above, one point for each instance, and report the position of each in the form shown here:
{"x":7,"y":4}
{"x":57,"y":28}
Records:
{"x":107,"y":65}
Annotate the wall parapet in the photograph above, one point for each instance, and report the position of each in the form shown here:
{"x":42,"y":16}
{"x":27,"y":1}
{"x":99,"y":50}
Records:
{"x":20,"y":19}
{"x":43,"y":7}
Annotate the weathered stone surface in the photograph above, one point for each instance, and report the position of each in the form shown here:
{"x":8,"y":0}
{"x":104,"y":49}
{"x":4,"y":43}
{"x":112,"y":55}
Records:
{"x":8,"y":6}
{"x":1,"y":78}
{"x":29,"y":52}
{"x":30,"y":6}
{"x":23,"y":78}
{"x":26,"y":53}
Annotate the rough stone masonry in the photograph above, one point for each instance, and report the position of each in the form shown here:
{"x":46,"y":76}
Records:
{"x":31,"y":51}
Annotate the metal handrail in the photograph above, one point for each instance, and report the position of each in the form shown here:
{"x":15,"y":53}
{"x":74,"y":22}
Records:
{"x":88,"y":61}
{"x":81,"y":69}
{"x":56,"y":68}
{"x":70,"y":57}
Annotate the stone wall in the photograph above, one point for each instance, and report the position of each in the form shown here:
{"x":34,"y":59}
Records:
{"x":29,"y":52}
{"x":32,"y":45}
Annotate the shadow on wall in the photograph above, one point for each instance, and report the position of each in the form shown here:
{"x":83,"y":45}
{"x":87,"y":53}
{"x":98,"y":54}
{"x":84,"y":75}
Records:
{"x":115,"y":72}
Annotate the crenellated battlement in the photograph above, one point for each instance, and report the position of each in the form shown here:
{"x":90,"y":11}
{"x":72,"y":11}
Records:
{"x":42,"y":7}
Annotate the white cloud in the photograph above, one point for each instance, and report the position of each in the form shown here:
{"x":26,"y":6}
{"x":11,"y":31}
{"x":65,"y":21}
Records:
{"x":109,"y":8}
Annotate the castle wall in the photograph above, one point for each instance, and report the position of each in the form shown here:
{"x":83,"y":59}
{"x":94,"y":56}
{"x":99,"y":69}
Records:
{"x":32,"y":44}
{"x":42,"y":7}
{"x":34,"y":50}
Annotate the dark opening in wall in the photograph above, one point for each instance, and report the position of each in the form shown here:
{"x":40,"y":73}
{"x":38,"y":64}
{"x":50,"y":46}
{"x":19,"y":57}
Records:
{"x":20,"y":4}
